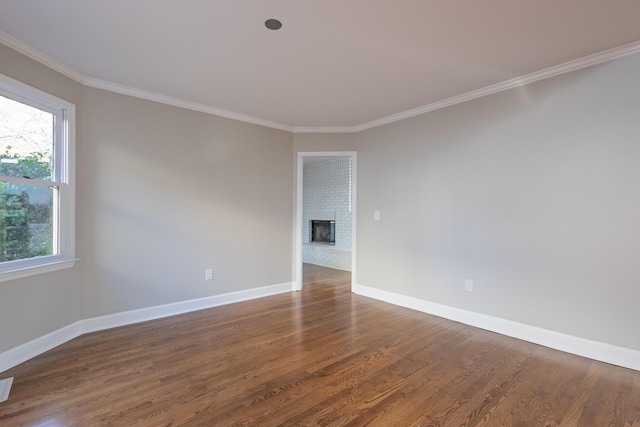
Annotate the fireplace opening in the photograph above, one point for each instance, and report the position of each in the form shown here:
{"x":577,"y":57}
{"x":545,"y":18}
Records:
{"x":323,"y":231}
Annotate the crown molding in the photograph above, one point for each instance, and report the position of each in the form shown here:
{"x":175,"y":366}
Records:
{"x":151,"y":96}
{"x":587,"y":61}
{"x":30,"y":52}
{"x":67,"y":71}
{"x":339,"y":129}
{"x":556,"y":70}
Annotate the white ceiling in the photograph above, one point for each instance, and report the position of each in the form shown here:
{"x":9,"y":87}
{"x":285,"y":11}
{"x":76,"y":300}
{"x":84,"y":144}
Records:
{"x":335,"y":64}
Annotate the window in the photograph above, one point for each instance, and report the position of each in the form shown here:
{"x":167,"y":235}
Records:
{"x":37,"y":193}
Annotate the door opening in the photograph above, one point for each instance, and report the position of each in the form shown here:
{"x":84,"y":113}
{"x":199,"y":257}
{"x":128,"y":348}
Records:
{"x":325,"y":231}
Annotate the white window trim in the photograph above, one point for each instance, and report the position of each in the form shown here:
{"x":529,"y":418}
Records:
{"x":12,"y":270}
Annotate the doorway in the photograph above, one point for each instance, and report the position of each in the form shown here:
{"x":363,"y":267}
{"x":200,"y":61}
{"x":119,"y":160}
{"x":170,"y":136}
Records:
{"x":301,"y":230}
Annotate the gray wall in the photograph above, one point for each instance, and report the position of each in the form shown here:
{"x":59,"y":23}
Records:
{"x":532,"y":193}
{"x":35,"y":306}
{"x":171,"y":192}
{"x":162,"y":194}
{"x":324,"y":142}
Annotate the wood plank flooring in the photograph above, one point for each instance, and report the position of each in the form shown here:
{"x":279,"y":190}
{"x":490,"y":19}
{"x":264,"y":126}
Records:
{"x":320,"y":357}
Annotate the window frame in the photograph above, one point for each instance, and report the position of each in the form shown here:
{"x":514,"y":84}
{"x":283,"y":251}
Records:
{"x":63,"y":178}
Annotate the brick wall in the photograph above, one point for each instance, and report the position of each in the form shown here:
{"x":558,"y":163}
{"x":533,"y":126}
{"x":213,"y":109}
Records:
{"x":327,"y":196}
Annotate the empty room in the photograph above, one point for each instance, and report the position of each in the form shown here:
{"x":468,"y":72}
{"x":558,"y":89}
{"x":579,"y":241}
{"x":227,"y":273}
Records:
{"x":319,"y":213}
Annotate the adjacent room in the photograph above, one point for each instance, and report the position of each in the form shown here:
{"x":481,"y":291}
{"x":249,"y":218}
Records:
{"x":325,"y":213}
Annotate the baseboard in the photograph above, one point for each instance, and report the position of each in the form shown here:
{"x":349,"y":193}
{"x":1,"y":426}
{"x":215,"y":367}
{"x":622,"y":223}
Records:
{"x":156,"y":312}
{"x":31,"y":349}
{"x":595,"y":350}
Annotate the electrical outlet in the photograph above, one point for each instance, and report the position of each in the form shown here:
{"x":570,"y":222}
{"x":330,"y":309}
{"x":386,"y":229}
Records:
{"x":208,"y":274}
{"x":468,"y":285}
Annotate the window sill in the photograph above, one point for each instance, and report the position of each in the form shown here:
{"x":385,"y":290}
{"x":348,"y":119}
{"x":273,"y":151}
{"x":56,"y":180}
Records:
{"x":36,"y":269}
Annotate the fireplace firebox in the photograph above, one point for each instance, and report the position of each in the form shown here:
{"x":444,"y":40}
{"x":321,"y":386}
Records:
{"x":323,"y":231}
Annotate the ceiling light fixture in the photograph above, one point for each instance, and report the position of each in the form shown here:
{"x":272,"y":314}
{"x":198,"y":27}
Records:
{"x":273,"y":24}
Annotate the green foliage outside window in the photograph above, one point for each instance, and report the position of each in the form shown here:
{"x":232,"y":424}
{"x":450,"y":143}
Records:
{"x":26,"y":229}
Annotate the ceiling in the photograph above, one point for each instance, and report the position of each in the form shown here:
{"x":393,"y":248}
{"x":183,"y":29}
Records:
{"x":334,"y":64}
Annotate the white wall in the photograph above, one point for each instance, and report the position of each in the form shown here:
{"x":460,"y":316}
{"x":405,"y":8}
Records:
{"x":327,"y":196}
{"x":532,"y":193}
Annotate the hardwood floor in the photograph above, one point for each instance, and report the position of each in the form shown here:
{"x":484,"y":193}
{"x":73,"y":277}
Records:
{"x":322,"y":357}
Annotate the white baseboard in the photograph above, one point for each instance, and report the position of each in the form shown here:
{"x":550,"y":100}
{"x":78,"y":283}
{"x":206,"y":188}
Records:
{"x":595,"y":350}
{"x":150,"y":313}
{"x":24,"y":352}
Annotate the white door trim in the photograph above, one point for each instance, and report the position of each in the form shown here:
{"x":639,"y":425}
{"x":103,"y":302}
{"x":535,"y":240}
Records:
{"x":297,"y":262}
